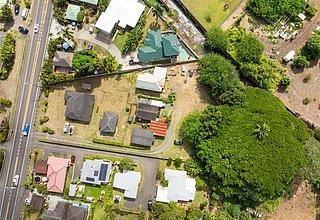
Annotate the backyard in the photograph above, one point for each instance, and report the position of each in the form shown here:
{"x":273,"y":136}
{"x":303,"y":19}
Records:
{"x":214,"y":12}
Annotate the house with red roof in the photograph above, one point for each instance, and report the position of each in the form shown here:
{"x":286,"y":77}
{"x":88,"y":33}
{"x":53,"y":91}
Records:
{"x":56,"y":174}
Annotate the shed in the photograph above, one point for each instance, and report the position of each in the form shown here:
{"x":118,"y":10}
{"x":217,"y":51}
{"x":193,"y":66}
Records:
{"x":72,"y":12}
{"x":302,"y":16}
{"x":40,"y":167}
{"x":289,"y":56}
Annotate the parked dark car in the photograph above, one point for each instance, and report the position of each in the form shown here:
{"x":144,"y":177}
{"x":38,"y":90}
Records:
{"x":178,"y":142}
{"x":149,"y":205}
{"x":190,"y":73}
{"x":16,"y":9}
{"x":23,"y":30}
{"x":73,"y":159}
{"x":90,"y":46}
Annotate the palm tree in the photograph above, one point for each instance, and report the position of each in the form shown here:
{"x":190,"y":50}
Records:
{"x":261,"y":131}
{"x":67,"y":33}
{"x":158,"y":11}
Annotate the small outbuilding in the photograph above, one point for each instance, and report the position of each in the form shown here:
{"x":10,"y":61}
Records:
{"x":40,"y":167}
{"x":108,"y":123}
{"x":37,"y":202}
{"x":289,"y":56}
{"x":142,"y":137}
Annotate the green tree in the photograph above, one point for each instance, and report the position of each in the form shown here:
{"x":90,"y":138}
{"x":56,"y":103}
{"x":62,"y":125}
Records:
{"x":7,"y":55}
{"x":249,"y":49}
{"x":80,"y":15}
{"x":109,"y":64}
{"x":6,"y":13}
{"x":311,"y":50}
{"x":219,"y":74}
{"x":234,"y":210}
{"x":126,"y":164}
{"x":261,"y":131}
{"x":217,"y":39}
{"x":158,"y":11}
{"x":190,"y":128}
{"x":285,"y":82}
{"x":300,"y":62}
{"x":85,"y":62}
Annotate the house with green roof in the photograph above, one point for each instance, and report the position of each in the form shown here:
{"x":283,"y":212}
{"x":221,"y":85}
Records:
{"x":90,"y":2}
{"x":159,"y":47}
{"x":72,"y":12}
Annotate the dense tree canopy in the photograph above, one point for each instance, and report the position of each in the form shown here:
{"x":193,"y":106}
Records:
{"x":248,"y":49}
{"x":300,"y":62}
{"x":311,"y":50}
{"x":219,"y":74}
{"x":6,"y":13}
{"x":252,"y":152}
{"x":274,"y":9}
{"x":217,"y":39}
{"x":85,"y":62}
{"x":7,"y":55}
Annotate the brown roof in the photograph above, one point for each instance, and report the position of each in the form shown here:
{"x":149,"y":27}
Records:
{"x":66,"y":211}
{"x":37,"y":202}
{"x":40,"y":167}
{"x":158,"y":128}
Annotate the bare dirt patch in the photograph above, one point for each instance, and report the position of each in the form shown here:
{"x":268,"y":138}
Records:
{"x":299,"y":90}
{"x":300,"y":206}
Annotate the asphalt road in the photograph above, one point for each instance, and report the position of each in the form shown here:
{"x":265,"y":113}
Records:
{"x":11,"y":204}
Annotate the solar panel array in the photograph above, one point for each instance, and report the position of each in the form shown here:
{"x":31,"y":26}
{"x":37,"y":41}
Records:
{"x":103,"y":172}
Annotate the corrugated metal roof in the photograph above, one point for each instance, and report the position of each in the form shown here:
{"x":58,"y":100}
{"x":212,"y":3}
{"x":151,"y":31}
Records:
{"x":158,"y":128}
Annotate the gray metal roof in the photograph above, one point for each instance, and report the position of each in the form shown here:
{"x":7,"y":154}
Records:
{"x":95,"y":171}
{"x":145,"y":111}
{"x":142,"y":137}
{"x":79,"y":106}
{"x":108,"y":123}
{"x":63,"y":59}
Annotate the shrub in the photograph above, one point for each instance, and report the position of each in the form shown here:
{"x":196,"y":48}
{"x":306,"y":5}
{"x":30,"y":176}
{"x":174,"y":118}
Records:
{"x":159,"y":175}
{"x":316,"y":134}
{"x":169,"y":162}
{"x":164,"y":182}
{"x":311,"y":49}
{"x":5,"y":102}
{"x":43,"y":120}
{"x":284,"y":82}
{"x":217,"y":39}
{"x":300,"y":62}
{"x":7,"y":55}
{"x":177,"y":162}
{"x":126,"y":164}
{"x":45,"y":129}
{"x":46,"y":92}
{"x":306,"y":101}
{"x":307,"y":78}
{"x":311,"y":11}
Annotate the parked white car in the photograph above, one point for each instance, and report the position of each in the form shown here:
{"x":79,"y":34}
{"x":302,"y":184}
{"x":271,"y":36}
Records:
{"x":36,"y":28}
{"x":66,"y":127}
{"x":15,"y":181}
{"x":25,"y":13}
{"x":183,"y":70}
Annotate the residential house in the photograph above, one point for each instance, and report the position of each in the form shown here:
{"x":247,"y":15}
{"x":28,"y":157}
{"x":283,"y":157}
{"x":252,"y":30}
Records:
{"x":79,"y":106}
{"x":142,"y":137}
{"x":181,"y":188}
{"x":96,"y":172}
{"x":158,"y":128}
{"x":129,"y":182}
{"x":159,"y":47}
{"x":146,"y":111}
{"x":120,"y":13}
{"x":72,"y":12}
{"x":40,"y":167}
{"x":92,"y":3}
{"x":62,"y":62}
{"x":56,"y":174}
{"x":152,"y":82}
{"x":37,"y":202}
{"x":108,"y":123}
{"x":66,"y":211}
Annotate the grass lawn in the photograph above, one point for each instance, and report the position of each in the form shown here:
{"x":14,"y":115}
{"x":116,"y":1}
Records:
{"x":99,"y":213}
{"x":68,"y":181}
{"x":214,"y":9}
{"x":121,"y":39}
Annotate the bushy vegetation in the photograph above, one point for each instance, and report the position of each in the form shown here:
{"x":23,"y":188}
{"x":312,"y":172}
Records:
{"x":248,"y":49}
{"x":4,"y":130}
{"x":222,"y":78}
{"x":273,"y":10}
{"x":1,"y":159}
{"x":58,"y":13}
{"x":135,"y":36}
{"x":217,"y":39}
{"x":311,"y":49}
{"x":6,"y":13}
{"x":7,"y":55}
{"x":249,"y":154}
{"x":300,"y":62}
{"x":5,"y":102}
{"x":85,"y":62}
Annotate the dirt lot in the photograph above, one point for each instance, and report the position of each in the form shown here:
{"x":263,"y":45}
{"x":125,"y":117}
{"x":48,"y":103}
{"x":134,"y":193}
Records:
{"x":111,"y":94}
{"x":299,"y":90}
{"x":300,"y":207}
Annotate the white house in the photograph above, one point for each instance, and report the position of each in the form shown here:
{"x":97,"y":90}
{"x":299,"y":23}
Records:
{"x":129,"y":182}
{"x":180,"y":187}
{"x":122,"y":13}
{"x":152,"y":82}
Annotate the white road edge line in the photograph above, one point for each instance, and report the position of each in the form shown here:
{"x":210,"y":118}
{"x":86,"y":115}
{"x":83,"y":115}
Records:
{"x":20,"y":106}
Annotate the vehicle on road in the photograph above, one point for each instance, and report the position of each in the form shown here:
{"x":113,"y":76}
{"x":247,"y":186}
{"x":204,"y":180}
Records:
{"x":66,"y":127}
{"x":23,"y":30}
{"x":15,"y":181}
{"x":25,"y":13}
{"x":16,"y":9}
{"x":26,"y":128}
{"x":36,"y":28}
{"x":73,"y":25}
{"x":91,"y":28}
{"x":178,"y":142}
